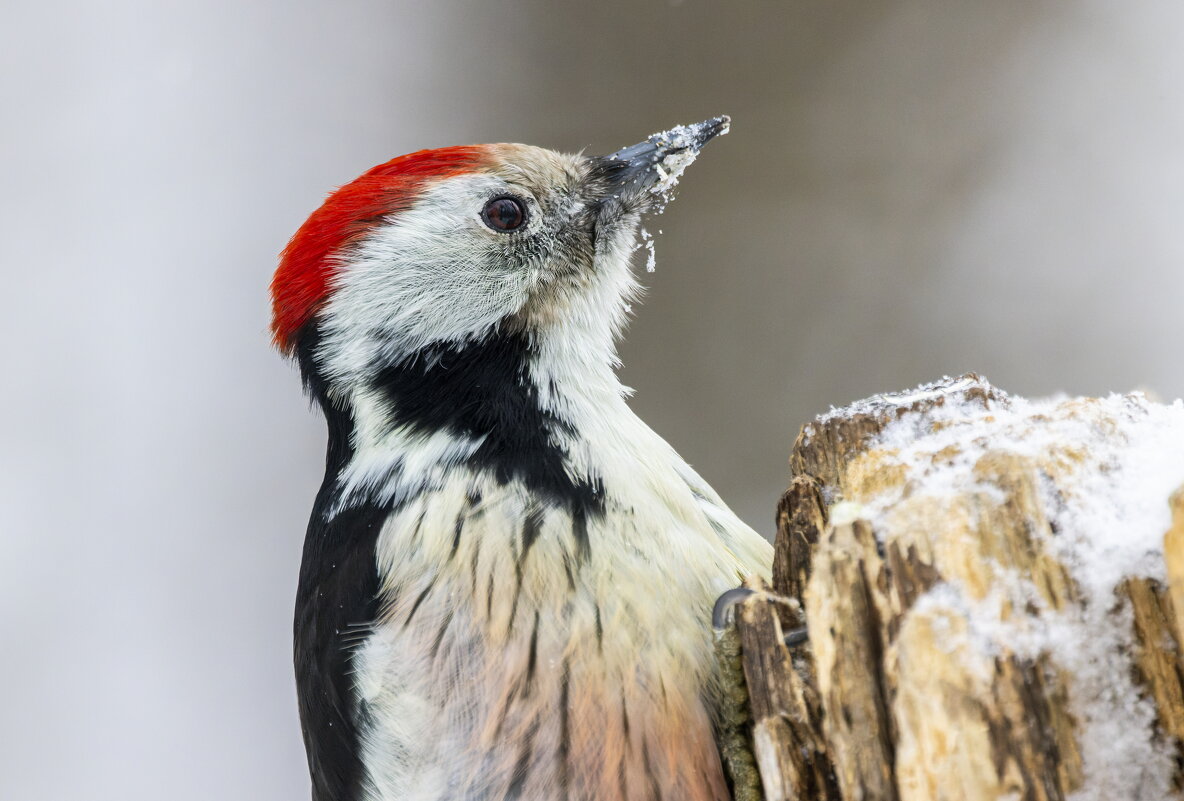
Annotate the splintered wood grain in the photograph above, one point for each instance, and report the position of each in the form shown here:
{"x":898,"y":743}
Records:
{"x":825,"y":447}
{"x":973,"y":726}
{"x":1158,"y":657}
{"x":894,"y":696}
{"x":787,"y":737}
{"x":1173,"y":554}
{"x":801,"y":519}
{"x":847,"y":641}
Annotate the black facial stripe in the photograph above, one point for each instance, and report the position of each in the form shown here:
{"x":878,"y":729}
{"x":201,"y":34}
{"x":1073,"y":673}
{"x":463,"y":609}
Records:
{"x":483,"y":390}
{"x":473,"y":389}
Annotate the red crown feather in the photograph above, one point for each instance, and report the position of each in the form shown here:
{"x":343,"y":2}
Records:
{"x":302,"y":280}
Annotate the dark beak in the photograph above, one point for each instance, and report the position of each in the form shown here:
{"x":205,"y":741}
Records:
{"x":656,"y":163}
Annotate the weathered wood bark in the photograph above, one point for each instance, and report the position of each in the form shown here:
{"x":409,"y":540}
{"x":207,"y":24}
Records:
{"x":964,"y":643}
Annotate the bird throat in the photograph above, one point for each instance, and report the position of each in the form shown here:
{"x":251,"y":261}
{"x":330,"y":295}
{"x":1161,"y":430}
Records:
{"x":479,"y":391}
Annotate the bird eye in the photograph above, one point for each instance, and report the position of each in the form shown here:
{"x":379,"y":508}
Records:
{"x":504,"y":213}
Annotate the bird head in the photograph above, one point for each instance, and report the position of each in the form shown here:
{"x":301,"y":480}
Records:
{"x":444,"y":247}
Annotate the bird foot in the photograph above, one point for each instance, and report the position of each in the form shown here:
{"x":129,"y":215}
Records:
{"x":723,"y":615}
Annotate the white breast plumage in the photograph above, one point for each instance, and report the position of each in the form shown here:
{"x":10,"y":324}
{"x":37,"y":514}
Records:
{"x":519,"y":643}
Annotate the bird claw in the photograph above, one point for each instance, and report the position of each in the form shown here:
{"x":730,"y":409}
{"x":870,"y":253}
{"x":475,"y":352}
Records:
{"x":722,"y":617}
{"x":796,"y":637}
{"x":724,"y":604}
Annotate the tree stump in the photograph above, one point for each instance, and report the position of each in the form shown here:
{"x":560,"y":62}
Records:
{"x":992,"y":608}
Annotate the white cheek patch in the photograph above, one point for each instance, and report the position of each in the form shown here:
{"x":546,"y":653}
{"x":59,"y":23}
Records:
{"x":431,"y":274}
{"x":391,"y":465}
{"x":434,"y":275}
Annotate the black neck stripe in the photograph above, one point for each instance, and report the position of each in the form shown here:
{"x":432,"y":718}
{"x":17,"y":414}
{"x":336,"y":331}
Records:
{"x":483,"y":389}
{"x":479,"y":389}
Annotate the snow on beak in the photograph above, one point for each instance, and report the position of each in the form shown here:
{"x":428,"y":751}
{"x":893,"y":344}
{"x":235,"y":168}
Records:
{"x":655,"y":164}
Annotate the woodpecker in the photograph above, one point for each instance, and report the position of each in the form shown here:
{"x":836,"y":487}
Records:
{"x":507,"y":576}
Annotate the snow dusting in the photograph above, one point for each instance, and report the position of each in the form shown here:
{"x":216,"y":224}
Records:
{"x":647,"y":242}
{"x":684,"y":143}
{"x":1115,"y":461}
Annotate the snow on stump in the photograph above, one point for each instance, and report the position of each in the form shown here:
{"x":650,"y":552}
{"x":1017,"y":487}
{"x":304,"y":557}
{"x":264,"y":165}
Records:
{"x":991,"y":602}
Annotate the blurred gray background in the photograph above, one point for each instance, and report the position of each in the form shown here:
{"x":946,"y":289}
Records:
{"x":911,"y":188}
